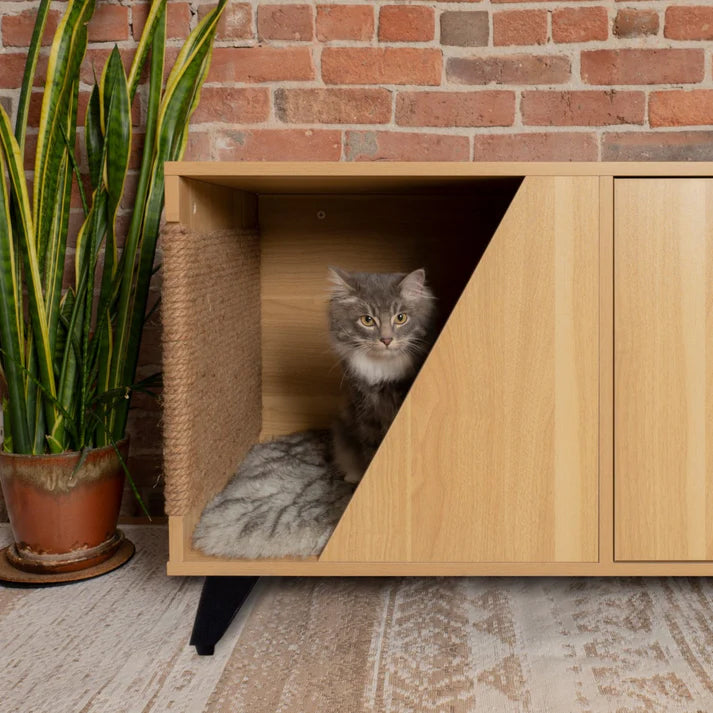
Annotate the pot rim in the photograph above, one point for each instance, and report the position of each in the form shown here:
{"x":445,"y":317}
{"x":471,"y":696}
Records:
{"x":68,"y":455}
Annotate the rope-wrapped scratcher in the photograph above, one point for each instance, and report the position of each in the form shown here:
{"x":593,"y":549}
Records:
{"x":211,"y":359}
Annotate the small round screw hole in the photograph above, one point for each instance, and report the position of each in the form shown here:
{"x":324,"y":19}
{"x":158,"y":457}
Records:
{"x":321,"y":215}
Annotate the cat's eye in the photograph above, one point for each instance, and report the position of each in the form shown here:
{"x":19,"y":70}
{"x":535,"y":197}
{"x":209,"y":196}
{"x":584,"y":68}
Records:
{"x":401,"y":318}
{"x":367,"y":320}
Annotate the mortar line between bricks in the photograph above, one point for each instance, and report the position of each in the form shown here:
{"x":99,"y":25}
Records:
{"x":647,"y":43}
{"x":450,"y":130}
{"x":461,"y":88}
{"x":517,"y":118}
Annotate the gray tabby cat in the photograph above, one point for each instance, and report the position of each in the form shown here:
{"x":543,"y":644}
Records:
{"x":381,"y":326}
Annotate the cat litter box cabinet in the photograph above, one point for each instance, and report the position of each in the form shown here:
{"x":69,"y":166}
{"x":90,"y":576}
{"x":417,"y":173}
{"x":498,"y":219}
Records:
{"x":562,"y":423}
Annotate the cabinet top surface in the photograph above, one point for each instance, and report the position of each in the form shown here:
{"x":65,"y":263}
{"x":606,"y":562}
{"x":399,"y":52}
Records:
{"x":206,"y":170}
{"x":397,"y":176}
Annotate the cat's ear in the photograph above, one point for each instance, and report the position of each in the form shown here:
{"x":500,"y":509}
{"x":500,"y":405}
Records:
{"x":413,"y":285}
{"x":341,"y":282}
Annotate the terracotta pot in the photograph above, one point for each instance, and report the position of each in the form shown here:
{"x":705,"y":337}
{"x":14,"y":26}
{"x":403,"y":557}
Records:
{"x":63,"y":521}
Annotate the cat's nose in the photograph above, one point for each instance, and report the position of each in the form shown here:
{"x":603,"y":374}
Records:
{"x":386,"y":340}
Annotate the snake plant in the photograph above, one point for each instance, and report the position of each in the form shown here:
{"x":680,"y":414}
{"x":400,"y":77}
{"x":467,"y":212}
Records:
{"x":69,"y":343}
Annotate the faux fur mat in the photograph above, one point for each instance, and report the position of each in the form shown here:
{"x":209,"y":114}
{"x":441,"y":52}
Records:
{"x":284,"y":501}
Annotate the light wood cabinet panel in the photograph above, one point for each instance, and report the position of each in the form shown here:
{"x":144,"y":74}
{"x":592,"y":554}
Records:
{"x":663,"y":343}
{"x":561,"y":425}
{"x":493,"y":456}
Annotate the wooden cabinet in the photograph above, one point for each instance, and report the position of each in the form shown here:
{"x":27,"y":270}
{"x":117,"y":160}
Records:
{"x":663,"y":340}
{"x":563,"y":422}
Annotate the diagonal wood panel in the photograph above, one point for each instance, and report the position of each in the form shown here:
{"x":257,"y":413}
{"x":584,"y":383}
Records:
{"x":493,"y":456}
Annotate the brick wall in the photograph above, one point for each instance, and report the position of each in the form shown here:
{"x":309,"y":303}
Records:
{"x":449,"y":81}
{"x":499,"y":80}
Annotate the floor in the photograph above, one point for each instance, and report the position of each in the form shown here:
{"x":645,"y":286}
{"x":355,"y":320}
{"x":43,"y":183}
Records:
{"x":119,"y":644}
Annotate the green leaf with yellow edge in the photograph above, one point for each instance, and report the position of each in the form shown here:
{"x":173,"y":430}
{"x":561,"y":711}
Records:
{"x":9,"y":335}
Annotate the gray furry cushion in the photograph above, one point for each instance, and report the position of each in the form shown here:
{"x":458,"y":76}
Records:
{"x":284,"y":500}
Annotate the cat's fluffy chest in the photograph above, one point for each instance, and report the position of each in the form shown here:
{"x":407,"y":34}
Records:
{"x":373,"y":371}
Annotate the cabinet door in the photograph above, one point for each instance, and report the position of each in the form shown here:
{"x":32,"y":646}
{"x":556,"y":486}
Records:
{"x":493,"y":455}
{"x":663,"y":376}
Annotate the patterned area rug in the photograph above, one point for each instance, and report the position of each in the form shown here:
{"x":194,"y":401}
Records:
{"x":119,"y":644}
{"x":460,"y":646}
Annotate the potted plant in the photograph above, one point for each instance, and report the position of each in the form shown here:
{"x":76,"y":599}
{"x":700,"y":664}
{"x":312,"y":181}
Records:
{"x":69,"y":343}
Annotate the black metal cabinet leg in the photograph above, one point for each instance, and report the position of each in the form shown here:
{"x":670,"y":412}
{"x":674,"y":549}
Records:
{"x":220,"y":601}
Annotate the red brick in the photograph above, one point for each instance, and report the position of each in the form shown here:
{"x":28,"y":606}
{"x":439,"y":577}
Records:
{"x":260,"y":64}
{"x":575,"y":24}
{"x":13,"y":66}
{"x":345,"y":22}
{"x":406,"y":23}
{"x":285,"y":22}
{"x":381,"y":65}
{"x":558,"y":146}
{"x":17,"y":29}
{"x":178,"y":19}
{"x":582,"y":108}
{"x":278,"y":145}
{"x":110,"y":23}
{"x":129,"y":196}
{"x":689,"y":22}
{"x":333,"y":106}
{"x":198,"y":147}
{"x":658,"y":146}
{"x":519,"y":1}
{"x":464,"y":28}
{"x":398,"y":146}
{"x":136,"y":152}
{"x":509,"y":69}
{"x":642,"y":66}
{"x":75,"y":200}
{"x":483,"y":108}
{"x":236,"y":22}
{"x":681,"y":108}
{"x":630,"y":22}
{"x":520,"y":27}
{"x":30,"y":148}
{"x":232,"y":105}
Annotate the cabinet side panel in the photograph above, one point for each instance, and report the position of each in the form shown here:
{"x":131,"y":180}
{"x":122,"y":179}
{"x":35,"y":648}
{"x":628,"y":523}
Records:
{"x":663,"y":386}
{"x":493,"y":457}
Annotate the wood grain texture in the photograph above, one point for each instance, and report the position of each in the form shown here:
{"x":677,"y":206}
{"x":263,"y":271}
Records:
{"x":663,"y":361}
{"x":493,"y":456}
{"x":185,"y":561}
{"x":206,"y":207}
{"x":302,"y":235}
{"x":388,"y":176}
{"x":606,"y":369}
